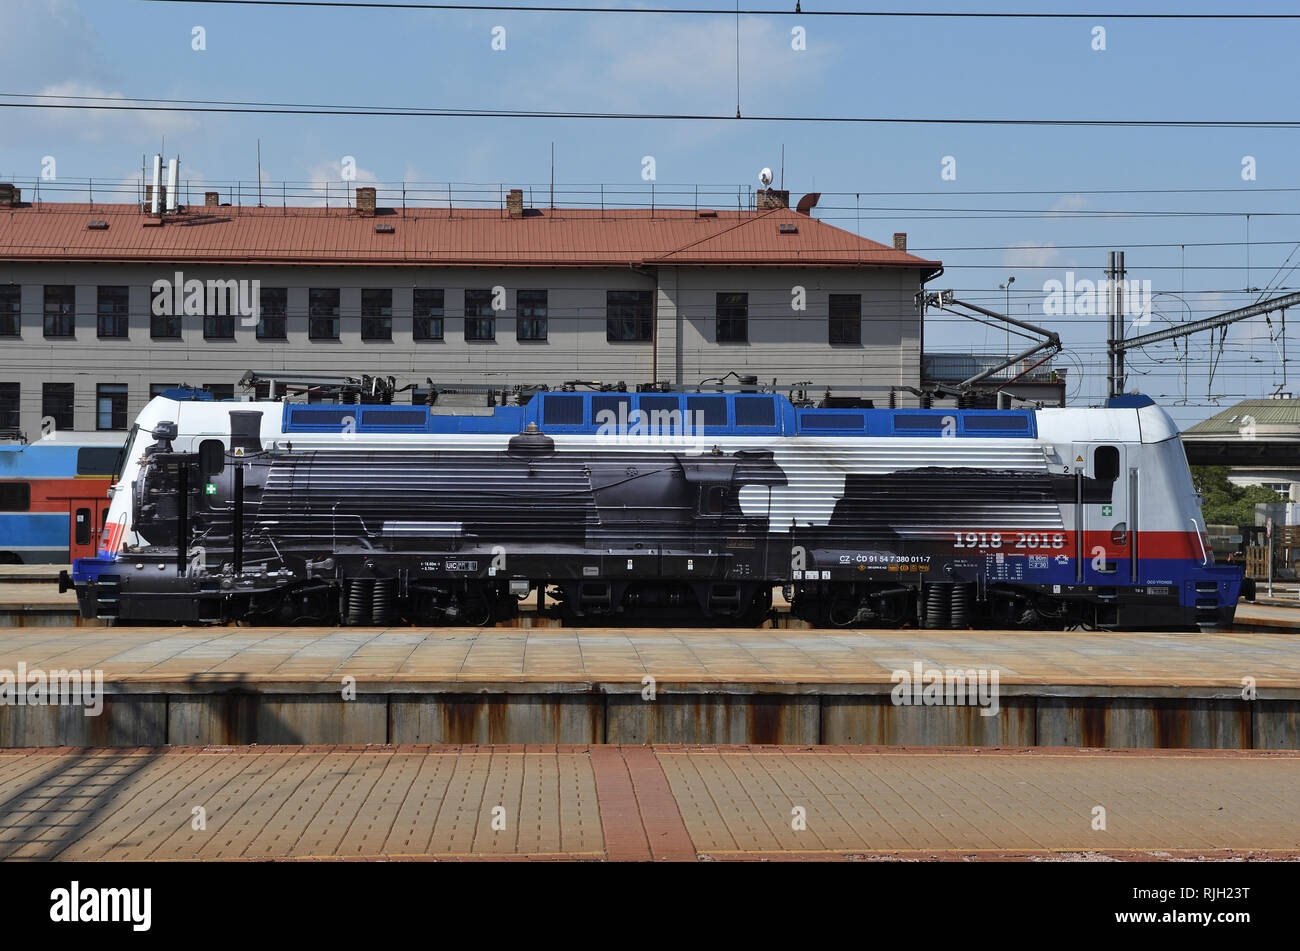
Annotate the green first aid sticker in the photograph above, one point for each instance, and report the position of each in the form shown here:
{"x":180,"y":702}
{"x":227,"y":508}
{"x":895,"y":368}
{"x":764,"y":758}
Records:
{"x":211,"y":489}
{"x":1105,"y":509}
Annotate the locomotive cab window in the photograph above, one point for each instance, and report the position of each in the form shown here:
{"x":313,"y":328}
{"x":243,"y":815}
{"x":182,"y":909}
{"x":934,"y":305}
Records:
{"x":212,"y":458}
{"x":713,"y":499}
{"x":1105,"y":463}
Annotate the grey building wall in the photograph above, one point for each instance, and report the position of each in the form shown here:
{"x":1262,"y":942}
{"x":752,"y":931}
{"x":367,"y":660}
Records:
{"x":786,"y":344}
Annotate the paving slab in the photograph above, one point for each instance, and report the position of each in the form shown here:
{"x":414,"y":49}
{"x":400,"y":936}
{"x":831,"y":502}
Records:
{"x":403,"y":659}
{"x":644,"y":803}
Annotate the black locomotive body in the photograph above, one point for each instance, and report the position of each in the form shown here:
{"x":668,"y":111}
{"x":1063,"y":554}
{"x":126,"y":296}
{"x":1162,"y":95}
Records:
{"x":373,"y":536}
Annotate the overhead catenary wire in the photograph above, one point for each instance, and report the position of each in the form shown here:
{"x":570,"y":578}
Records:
{"x":716,"y":11}
{"x":131,"y":104}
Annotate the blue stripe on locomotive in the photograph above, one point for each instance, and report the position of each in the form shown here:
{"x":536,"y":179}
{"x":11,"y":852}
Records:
{"x":745,"y":415}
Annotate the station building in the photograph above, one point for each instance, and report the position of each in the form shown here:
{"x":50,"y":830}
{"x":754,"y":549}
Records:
{"x":1259,"y":441}
{"x":102,"y":306}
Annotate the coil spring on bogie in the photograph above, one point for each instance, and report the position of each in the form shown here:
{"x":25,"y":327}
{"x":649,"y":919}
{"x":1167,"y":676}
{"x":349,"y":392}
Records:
{"x":385,"y":594}
{"x":937,"y":600}
{"x":960,"y":606}
{"x":359,"y":597}
{"x":948,"y":604}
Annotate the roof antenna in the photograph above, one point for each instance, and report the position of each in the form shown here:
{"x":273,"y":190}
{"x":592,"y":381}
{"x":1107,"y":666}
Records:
{"x":259,"y":173}
{"x":783,"y":166}
{"x":552,"y":176}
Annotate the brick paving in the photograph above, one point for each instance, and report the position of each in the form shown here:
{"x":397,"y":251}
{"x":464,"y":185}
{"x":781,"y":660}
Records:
{"x":664,"y":803}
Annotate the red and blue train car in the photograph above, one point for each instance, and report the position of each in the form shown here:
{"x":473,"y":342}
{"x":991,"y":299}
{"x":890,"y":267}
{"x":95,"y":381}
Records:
{"x":54,"y":496}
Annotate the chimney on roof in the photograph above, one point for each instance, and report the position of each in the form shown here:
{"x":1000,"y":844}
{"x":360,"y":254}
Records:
{"x":10,"y":196}
{"x":162,"y":196}
{"x":769,"y":198}
{"x":808,"y":202}
{"x":365,"y":200}
{"x":900,"y":240}
{"x":211,"y":199}
{"x":515,"y":203}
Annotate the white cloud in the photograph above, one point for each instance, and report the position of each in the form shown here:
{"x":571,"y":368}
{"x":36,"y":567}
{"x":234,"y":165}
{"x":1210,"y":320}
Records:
{"x":329,"y":187}
{"x":103,"y":125}
{"x":1028,"y":254}
{"x":1068,"y":203}
{"x":693,"y":63}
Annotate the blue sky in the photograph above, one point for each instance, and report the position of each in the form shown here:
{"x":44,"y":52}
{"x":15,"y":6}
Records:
{"x":930,"y":68}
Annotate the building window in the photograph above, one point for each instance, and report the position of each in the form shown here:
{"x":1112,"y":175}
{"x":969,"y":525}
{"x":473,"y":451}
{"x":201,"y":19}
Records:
{"x":376,"y":313}
{"x":220,"y":391}
{"x":60,"y":310}
{"x":112,"y":308}
{"x":157,"y":389}
{"x":110,"y":406}
{"x":427,"y":314}
{"x":218,"y":326}
{"x":56,"y":404}
{"x":10,"y":309}
{"x":273,"y":312}
{"x":733,"y":317}
{"x":530,"y":310}
{"x":846,"y":319}
{"x":629,"y":315}
{"x":163,"y":326}
{"x":480,"y":318}
{"x":10,"y":404}
{"x":323,"y":313}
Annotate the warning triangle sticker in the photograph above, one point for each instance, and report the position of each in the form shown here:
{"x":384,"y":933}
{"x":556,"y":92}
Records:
{"x":239,"y":451}
{"x":1078,"y":458}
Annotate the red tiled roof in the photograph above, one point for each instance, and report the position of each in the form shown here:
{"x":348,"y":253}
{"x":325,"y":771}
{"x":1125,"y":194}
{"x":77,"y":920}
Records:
{"x":469,"y":236}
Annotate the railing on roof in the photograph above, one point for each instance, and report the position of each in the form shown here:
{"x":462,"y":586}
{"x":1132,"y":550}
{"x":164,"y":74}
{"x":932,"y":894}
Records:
{"x":955,"y":367}
{"x":412,"y":195}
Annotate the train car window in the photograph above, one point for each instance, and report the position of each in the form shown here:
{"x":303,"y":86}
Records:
{"x":562,"y":411}
{"x":620,"y":406}
{"x":710,"y":410}
{"x":15,"y":496}
{"x":394,"y":417}
{"x":668,"y":411}
{"x":1105,"y":463}
{"x":82,"y":526}
{"x":755,"y":411}
{"x":322,"y":417}
{"x":926,"y":423}
{"x":833,"y":421}
{"x":97,"y":460}
{"x":997,"y":424}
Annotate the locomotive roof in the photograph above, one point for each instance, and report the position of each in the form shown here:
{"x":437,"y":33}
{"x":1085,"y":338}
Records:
{"x":1135,"y":419}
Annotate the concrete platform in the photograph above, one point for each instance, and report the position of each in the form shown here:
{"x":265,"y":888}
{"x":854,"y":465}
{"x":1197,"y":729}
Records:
{"x":667,"y":803}
{"x":188,"y":686}
{"x":1267,"y":616}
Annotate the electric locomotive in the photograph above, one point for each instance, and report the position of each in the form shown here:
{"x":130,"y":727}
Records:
{"x":679,"y":508}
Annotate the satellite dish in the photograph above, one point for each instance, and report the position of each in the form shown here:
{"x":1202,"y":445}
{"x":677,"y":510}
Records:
{"x":765,"y":176}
